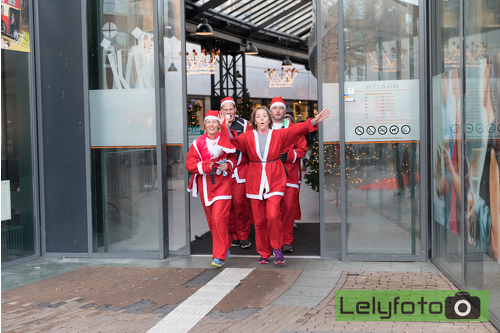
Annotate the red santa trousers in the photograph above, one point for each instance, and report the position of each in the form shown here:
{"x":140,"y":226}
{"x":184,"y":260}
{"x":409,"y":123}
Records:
{"x":217,"y":214}
{"x":240,"y":216}
{"x":268,"y":225}
{"x":289,"y":206}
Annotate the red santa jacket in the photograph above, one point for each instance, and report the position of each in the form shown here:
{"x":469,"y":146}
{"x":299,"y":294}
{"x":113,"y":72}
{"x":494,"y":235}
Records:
{"x":294,"y":154}
{"x":200,"y":154}
{"x":240,"y":171}
{"x":265,"y":174}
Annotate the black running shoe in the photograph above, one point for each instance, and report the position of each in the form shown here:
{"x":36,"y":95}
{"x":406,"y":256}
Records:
{"x":245,"y":244}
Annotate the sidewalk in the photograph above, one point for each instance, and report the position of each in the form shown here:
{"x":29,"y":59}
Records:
{"x":96,"y":295}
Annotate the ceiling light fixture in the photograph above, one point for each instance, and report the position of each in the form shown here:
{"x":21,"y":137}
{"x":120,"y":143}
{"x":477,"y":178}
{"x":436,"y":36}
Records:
{"x":251,"y":48}
{"x":172,"y":68}
{"x":204,"y":29}
{"x":286,"y":62}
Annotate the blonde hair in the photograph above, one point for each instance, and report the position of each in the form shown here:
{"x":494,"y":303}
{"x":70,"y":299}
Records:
{"x":254,"y":114}
{"x":203,"y":128}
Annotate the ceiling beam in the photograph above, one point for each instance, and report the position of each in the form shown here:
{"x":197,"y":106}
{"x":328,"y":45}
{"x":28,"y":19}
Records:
{"x":265,"y":48}
{"x":205,"y":7}
{"x":279,"y":16}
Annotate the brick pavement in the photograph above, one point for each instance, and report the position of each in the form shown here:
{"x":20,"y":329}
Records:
{"x":134,"y":299}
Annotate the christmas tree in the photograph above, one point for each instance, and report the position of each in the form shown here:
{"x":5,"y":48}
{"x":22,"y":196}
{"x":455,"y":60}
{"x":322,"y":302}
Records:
{"x":331,"y":156}
{"x":312,"y":165}
{"x":245,"y":111}
{"x":193,"y":108}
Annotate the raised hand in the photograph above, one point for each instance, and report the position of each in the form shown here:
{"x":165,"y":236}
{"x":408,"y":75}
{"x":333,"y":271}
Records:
{"x":222,"y":119}
{"x":325,"y":113}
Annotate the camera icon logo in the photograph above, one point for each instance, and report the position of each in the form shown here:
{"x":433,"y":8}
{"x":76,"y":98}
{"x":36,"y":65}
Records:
{"x":462,"y":306}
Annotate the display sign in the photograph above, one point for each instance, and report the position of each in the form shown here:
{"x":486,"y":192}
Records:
{"x":382,"y":111}
{"x":15,"y":25}
{"x":6,"y":206}
{"x":122,"y":117}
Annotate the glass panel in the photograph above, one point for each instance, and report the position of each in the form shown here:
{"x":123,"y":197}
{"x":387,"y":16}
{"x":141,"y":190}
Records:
{"x":18,"y":225}
{"x":331,"y":140}
{"x":122,"y":126}
{"x":482,"y":133}
{"x":446,"y":145}
{"x":382,"y":122}
{"x":174,"y":107}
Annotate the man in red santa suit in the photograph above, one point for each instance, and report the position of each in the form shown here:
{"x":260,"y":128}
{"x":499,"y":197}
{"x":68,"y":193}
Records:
{"x":290,"y":205}
{"x":240,"y":216}
{"x":266,"y":179}
{"x":212,"y":163}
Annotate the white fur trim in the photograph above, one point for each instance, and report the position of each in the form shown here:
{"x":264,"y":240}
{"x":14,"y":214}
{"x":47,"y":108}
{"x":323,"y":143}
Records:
{"x":237,"y":176}
{"x":277,"y":104}
{"x":292,"y":185}
{"x":213,"y":148}
{"x":295,"y":156}
{"x":263,"y":177}
{"x":211,"y":117}
{"x":229,"y":151}
{"x":267,"y":195}
{"x":194,"y":190}
{"x":200,"y":168}
{"x":205,"y":194}
{"x":227,"y":101}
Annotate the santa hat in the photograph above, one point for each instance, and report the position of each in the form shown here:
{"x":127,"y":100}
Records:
{"x":212,"y":114}
{"x":227,"y":100}
{"x":277,"y":101}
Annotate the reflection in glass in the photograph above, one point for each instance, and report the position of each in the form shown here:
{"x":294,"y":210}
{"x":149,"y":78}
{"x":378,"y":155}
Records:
{"x":18,"y":225}
{"x":331,"y":140}
{"x":382,"y":152}
{"x":123,"y":130}
{"x":174,"y":124}
{"x":447,"y":144}
{"x":482,"y":134}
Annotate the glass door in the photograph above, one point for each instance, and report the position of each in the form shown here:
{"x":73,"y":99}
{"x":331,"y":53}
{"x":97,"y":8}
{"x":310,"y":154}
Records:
{"x":123,"y":127}
{"x":381,"y":138}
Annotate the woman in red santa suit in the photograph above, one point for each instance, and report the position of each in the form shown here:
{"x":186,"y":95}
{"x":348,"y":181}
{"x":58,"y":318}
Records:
{"x":266,"y":178}
{"x":212,"y":163}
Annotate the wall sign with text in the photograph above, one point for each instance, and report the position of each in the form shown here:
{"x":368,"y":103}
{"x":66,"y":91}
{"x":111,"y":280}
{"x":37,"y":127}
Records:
{"x":382,"y":111}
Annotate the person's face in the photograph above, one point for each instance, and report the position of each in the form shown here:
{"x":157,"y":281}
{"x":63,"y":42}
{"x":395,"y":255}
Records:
{"x":212,"y":127}
{"x":262,"y":120}
{"x":278,"y":113}
{"x":229,"y":111}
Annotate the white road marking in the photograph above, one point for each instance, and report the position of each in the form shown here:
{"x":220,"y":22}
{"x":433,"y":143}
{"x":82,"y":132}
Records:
{"x":193,"y":309}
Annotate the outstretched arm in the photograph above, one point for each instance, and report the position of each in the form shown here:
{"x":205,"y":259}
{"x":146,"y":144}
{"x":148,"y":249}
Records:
{"x":294,"y":133}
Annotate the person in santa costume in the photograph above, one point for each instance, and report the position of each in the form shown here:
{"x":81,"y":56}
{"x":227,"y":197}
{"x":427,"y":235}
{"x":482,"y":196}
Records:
{"x":212,"y":163}
{"x":240,"y":216}
{"x":290,"y":205}
{"x":266,"y":178}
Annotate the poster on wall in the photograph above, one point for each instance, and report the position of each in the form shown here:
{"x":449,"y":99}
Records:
{"x":446,"y":148}
{"x":480,"y":174}
{"x":15,"y":25}
{"x":482,"y":133}
{"x":382,"y":111}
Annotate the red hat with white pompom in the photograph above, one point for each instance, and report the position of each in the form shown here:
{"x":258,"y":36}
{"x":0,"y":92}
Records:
{"x":212,"y":114}
{"x":277,"y":101}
